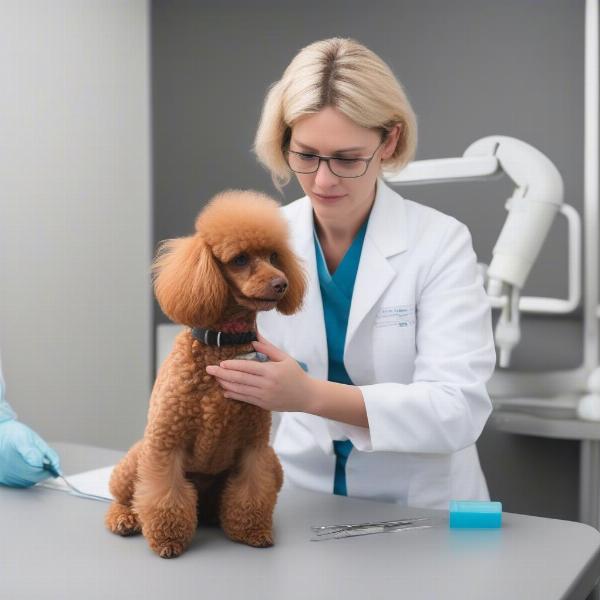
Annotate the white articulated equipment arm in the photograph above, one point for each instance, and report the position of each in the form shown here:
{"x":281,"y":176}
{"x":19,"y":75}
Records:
{"x":537,"y":198}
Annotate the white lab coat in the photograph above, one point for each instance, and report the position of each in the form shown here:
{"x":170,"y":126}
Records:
{"x":419,"y":345}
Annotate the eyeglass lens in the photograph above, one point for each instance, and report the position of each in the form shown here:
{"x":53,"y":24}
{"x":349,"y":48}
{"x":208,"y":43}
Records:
{"x":308,"y":163}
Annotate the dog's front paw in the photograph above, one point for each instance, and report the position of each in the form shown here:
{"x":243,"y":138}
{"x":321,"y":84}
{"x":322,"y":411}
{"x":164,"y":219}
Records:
{"x":258,"y":539}
{"x":170,"y":549}
{"x":165,"y":547}
{"x":168,"y":532}
{"x":120,"y":519}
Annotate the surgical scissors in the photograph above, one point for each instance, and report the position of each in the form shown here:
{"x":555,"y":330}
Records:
{"x":330,"y":528}
{"x":323,"y":532}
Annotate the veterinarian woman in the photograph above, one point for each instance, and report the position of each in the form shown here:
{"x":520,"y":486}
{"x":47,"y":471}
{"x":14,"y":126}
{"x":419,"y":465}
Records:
{"x":396,"y":328}
{"x":22,"y":451}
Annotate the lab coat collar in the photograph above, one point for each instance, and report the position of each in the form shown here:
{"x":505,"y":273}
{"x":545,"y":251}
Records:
{"x":387,"y":223}
{"x":385,"y":237}
{"x":312,"y":318}
{"x":312,"y":314}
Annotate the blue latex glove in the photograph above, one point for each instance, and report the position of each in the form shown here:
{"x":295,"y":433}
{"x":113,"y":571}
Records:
{"x":22,"y":455}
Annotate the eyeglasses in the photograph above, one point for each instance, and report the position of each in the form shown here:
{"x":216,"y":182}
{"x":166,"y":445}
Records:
{"x":304,"y":162}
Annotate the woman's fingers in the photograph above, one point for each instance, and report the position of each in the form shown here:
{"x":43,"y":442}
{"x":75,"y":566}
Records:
{"x":240,"y":391}
{"x":234,"y":376}
{"x":251,"y":367}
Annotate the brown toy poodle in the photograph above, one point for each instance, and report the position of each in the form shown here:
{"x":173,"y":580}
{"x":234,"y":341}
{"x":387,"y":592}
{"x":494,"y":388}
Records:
{"x":205,"y":458}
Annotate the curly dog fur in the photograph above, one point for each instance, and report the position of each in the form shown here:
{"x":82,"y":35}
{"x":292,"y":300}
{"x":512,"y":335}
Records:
{"x":205,"y":458}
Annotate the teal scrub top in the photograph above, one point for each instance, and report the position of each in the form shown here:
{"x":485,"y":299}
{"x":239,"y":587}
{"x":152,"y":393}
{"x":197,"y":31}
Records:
{"x":336,"y":293}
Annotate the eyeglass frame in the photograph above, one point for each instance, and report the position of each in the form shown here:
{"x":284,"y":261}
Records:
{"x":367,"y":161}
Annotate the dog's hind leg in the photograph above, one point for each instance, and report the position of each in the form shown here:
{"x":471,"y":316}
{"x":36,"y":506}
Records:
{"x":121,"y":518}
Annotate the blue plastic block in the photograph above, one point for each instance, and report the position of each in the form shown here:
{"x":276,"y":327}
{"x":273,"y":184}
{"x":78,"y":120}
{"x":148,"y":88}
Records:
{"x":474,"y":514}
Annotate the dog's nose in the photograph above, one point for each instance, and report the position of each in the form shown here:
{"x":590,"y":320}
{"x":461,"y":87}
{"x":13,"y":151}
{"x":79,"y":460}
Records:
{"x":279,"y":285}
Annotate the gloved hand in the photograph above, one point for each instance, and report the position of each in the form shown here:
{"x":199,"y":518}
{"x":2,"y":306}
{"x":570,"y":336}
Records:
{"x":22,"y":454}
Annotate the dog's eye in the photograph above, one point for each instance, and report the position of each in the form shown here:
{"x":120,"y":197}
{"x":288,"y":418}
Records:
{"x":274,"y":257}
{"x":241,"y":260}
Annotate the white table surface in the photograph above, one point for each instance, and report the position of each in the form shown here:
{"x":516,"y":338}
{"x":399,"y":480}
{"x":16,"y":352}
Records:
{"x":55,"y":546}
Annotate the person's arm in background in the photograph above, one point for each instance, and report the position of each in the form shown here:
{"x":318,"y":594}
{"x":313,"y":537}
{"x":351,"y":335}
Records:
{"x":22,"y":451}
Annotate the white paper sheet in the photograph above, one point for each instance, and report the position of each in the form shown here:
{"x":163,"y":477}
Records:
{"x":89,"y":482}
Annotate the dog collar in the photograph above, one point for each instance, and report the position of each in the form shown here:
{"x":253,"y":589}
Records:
{"x":210,"y":337}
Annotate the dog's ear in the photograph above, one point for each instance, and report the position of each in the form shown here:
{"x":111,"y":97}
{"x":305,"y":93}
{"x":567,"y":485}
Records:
{"x":188,"y":283}
{"x":292,"y":301}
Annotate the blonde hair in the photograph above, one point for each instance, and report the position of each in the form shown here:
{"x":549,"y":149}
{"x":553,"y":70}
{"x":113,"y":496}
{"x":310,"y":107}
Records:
{"x":339,"y":73}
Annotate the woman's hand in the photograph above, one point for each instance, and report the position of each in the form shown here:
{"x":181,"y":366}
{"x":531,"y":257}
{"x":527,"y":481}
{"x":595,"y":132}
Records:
{"x":279,"y":385}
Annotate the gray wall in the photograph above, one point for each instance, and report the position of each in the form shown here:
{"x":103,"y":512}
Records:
{"x":470,"y":67}
{"x":75,"y":298}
